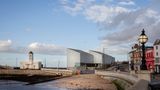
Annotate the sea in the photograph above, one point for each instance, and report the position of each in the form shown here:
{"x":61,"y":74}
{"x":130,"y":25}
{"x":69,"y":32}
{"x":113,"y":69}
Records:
{"x":15,"y":85}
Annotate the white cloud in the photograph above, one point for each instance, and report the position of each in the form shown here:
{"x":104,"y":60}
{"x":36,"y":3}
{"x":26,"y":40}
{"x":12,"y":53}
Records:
{"x":5,"y":45}
{"x":43,"y":48}
{"x":123,"y":21}
{"x":73,"y":7}
{"x":127,"y":3}
{"x":102,"y":13}
{"x":135,"y":22}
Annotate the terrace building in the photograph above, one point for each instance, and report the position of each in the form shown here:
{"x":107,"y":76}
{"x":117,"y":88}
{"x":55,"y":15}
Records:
{"x":157,"y":55}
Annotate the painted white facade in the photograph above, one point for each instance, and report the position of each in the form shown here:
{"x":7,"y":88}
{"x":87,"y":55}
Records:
{"x":157,"y":52}
{"x":98,"y":57}
{"x":157,"y":55}
{"x":30,"y":64}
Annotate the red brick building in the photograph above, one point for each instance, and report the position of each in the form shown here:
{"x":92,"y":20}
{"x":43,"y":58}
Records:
{"x":136,"y":57}
{"x":150,"y":58}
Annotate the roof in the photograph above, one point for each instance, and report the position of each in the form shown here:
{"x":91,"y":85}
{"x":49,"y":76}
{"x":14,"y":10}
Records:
{"x":80,"y":51}
{"x":101,"y":53}
{"x":157,"y":42}
{"x":30,"y":52}
{"x":96,"y":52}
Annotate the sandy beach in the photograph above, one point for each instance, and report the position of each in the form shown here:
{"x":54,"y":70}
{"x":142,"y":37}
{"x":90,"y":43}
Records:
{"x":84,"y":82}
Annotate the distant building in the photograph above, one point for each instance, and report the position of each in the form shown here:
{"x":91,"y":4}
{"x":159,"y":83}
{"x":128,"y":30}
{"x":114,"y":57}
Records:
{"x":157,"y":55}
{"x":30,"y":64}
{"x":100,"y":59}
{"x":78,"y":58}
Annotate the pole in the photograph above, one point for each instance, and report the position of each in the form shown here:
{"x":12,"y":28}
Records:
{"x":58,"y":66}
{"x":143,"y":65}
{"x":45,"y":62}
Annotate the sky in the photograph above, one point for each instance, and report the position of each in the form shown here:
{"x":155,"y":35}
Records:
{"x":49,"y":27}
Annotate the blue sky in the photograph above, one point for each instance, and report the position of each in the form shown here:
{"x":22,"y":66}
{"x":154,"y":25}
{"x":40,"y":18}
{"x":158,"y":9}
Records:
{"x":48,"y":27}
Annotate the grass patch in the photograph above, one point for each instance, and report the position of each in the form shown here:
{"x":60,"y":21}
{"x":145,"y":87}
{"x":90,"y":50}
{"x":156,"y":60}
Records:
{"x":119,"y":87}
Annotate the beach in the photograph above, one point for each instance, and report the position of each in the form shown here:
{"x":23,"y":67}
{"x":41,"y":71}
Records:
{"x":84,"y":82}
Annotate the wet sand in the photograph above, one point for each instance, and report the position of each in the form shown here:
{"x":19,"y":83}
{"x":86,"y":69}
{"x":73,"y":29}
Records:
{"x":84,"y":82}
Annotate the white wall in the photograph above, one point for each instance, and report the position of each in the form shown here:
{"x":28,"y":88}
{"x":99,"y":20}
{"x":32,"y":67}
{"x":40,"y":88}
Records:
{"x":99,"y":58}
{"x":30,"y":65}
{"x":73,"y":57}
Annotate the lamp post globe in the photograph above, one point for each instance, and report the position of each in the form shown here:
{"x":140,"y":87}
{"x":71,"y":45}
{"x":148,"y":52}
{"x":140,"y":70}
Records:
{"x":143,"y":39}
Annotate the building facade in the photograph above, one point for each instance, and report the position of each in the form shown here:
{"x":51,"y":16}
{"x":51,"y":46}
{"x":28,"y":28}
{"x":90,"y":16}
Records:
{"x":150,"y":58}
{"x":78,"y":58}
{"x":135,"y":57}
{"x":30,"y":64}
{"x":157,"y":55}
{"x":101,"y":60}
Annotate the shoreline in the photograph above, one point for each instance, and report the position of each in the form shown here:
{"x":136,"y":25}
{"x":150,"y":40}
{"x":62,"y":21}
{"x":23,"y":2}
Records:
{"x":75,"y":82}
{"x":30,"y":79}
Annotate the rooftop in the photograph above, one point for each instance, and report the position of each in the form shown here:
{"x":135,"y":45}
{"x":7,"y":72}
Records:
{"x":157,"y":42}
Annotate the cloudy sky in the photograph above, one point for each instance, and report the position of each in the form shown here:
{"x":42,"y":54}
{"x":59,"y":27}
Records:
{"x":48,"y":27}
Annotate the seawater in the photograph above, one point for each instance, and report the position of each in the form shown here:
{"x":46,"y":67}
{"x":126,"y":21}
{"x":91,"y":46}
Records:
{"x":14,"y":85}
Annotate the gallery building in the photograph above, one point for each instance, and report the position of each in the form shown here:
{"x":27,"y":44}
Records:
{"x":78,"y":58}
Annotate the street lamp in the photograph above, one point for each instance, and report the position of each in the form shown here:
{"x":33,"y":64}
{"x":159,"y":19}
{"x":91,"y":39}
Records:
{"x":143,"y":39}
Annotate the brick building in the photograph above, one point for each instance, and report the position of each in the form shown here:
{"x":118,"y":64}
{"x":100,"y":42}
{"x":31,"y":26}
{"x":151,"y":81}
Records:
{"x":150,"y":58}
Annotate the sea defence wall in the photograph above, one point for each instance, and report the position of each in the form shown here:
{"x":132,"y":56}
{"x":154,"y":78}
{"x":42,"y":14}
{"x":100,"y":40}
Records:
{"x":42,"y":72}
{"x":125,"y":81}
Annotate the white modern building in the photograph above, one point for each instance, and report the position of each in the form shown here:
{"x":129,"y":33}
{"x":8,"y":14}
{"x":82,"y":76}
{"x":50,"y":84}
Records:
{"x":30,"y":64}
{"x":100,"y":59}
{"x":157,"y":55}
{"x":77,"y":58}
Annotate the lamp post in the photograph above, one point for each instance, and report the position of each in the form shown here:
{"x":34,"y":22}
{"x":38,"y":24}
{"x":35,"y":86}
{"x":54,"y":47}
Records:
{"x":143,"y":39}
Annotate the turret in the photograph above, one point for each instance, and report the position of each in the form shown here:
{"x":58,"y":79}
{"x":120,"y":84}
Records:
{"x":31,"y":56}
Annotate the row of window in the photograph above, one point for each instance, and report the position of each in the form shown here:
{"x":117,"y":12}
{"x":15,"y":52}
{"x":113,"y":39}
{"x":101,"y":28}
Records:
{"x":150,"y":54}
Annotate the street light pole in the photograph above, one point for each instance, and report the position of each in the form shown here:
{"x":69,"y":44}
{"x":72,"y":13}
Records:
{"x":143,"y":39}
{"x":143,"y":65}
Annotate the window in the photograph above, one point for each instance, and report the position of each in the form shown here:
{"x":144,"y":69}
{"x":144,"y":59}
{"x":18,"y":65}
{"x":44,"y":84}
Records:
{"x":156,"y":53}
{"x":157,"y":60}
{"x":156,"y":47}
